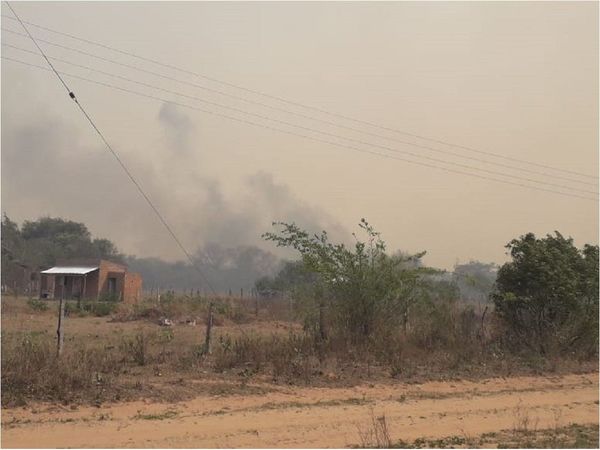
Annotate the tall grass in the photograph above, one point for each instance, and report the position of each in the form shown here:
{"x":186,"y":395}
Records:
{"x":31,"y":369}
{"x":441,"y":339}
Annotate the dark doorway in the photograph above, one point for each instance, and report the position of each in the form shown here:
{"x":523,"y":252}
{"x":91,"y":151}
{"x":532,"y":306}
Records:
{"x":112,"y":286}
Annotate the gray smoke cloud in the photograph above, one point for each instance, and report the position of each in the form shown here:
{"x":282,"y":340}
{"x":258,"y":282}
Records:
{"x":177,"y":127}
{"x":47,"y":169}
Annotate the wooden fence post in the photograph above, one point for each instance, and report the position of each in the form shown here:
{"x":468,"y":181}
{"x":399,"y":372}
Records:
{"x":322,"y":327}
{"x":61,"y":318}
{"x":209,"y":324}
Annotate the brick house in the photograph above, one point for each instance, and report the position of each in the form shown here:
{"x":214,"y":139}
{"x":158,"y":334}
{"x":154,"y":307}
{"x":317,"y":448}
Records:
{"x":91,"y":279}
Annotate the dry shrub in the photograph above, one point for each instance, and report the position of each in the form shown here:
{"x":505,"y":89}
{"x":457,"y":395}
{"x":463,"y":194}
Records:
{"x":185,"y":307}
{"x":440,"y":339}
{"x":244,"y":351}
{"x":376,"y":434}
{"x":440,"y":335}
{"x":31,"y":369}
{"x":291,"y":357}
{"x":190,"y":359}
{"x":169,"y":306}
{"x":280,"y":309}
{"x":136,"y":347}
{"x":523,"y":423}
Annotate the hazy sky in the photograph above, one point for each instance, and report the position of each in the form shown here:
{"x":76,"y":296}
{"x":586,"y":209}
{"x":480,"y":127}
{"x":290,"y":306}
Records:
{"x":513,"y":78}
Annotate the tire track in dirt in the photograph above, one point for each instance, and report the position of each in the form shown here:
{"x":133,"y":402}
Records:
{"x":315,"y":417}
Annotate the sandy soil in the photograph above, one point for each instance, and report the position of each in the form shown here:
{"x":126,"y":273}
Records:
{"x":313,"y":417}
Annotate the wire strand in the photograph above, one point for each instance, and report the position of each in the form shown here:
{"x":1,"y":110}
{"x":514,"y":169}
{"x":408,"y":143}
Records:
{"x":385,"y":155}
{"x":299,"y":104}
{"x":117,"y":157}
{"x":260,"y":116}
{"x":304,"y":116}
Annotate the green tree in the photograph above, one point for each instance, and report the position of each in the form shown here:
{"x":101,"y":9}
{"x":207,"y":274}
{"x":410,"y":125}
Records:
{"x":12,"y":252}
{"x":547,"y":295}
{"x":12,"y":241}
{"x":40,"y":243}
{"x":49,"y":239}
{"x":363,"y":288}
{"x":104,"y":248}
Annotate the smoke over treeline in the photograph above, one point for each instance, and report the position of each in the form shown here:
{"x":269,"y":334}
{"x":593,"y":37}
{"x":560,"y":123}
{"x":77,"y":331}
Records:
{"x":50,"y":169}
{"x":229,"y":269}
{"x":39,"y":244}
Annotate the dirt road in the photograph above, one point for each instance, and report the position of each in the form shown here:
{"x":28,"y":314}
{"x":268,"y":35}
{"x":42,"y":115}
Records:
{"x":311,"y":417}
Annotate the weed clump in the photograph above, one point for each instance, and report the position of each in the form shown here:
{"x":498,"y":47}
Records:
{"x":37,"y":305}
{"x":31,"y":369}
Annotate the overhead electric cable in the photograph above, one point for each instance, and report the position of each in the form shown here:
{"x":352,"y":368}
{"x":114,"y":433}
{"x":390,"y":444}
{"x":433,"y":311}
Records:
{"x":260,"y":116}
{"x":298,"y":104}
{"x":316,"y":119}
{"x":116,"y":156}
{"x":385,"y":155}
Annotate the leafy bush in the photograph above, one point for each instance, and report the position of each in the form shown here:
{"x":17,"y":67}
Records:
{"x":37,"y":305}
{"x":547,"y":296}
{"x":100,"y":309}
{"x":362,"y":288}
{"x":97,"y":309}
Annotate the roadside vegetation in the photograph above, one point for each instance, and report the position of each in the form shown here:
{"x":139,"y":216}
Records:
{"x":338,"y":316}
{"x":524,"y":434}
{"x":572,"y":436}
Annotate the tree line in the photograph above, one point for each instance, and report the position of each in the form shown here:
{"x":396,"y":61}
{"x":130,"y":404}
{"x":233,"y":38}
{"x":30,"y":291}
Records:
{"x":39,"y":244}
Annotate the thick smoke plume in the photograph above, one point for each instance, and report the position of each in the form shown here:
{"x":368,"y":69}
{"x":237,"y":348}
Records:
{"x":47,"y":169}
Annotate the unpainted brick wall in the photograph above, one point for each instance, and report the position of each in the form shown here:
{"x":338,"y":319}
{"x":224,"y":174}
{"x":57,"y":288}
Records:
{"x":132,"y":289}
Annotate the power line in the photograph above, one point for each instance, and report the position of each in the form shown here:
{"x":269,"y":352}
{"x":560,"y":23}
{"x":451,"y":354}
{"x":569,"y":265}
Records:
{"x":115,"y":154}
{"x":385,"y":155}
{"x":260,"y":116}
{"x":298,"y":104}
{"x":426,"y":147}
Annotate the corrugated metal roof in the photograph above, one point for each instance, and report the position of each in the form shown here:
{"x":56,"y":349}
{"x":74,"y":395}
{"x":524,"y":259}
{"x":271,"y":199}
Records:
{"x":69,"y":270}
